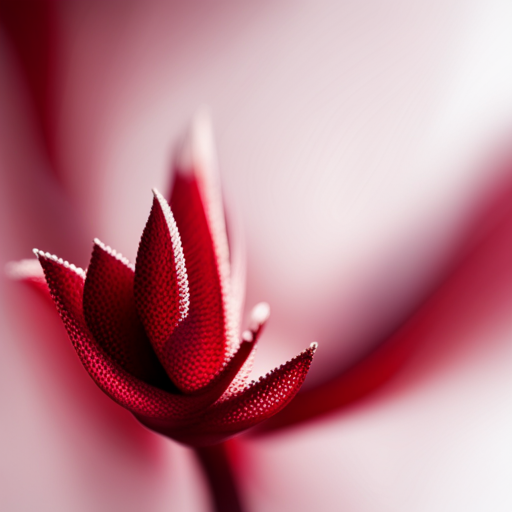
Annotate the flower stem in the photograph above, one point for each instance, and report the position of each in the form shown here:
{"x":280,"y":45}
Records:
{"x":221,"y":480}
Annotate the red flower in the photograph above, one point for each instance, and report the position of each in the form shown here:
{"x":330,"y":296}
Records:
{"x":160,"y":338}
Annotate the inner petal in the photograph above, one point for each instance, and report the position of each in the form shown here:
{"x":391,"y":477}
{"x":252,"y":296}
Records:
{"x":198,"y":345}
{"x":110,"y":314}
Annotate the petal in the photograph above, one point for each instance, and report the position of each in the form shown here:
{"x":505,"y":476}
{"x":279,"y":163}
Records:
{"x":258,"y":402}
{"x":209,"y":394}
{"x":199,"y":345}
{"x":228,"y":375}
{"x":110,"y":314}
{"x":66,"y":284}
{"x":161,"y":288}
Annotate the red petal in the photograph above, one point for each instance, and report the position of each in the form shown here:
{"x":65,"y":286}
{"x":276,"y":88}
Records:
{"x":110,"y":314}
{"x":199,"y":345}
{"x":225,"y":377}
{"x":66,"y":286}
{"x":209,"y":394}
{"x":256,"y":403}
{"x":161,"y":288}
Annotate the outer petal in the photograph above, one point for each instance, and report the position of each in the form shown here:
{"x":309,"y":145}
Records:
{"x":161,"y":287}
{"x":66,"y":284}
{"x":110,"y":314}
{"x":259,"y":401}
{"x":201,"y":342}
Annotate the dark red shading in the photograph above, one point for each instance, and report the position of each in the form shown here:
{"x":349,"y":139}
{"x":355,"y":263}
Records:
{"x":161,"y":287}
{"x":110,"y":314}
{"x":221,"y":478}
{"x":31,"y":27}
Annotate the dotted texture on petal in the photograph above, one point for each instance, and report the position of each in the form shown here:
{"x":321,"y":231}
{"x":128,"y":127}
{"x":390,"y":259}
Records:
{"x":198,"y":345}
{"x":263,"y":398}
{"x":161,"y":287}
{"x":110,"y":313}
{"x":230,"y":372}
{"x":258,"y":402}
{"x":66,"y":286}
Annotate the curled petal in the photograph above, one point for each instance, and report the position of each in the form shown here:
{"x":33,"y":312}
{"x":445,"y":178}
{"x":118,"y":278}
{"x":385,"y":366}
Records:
{"x":66,"y":284}
{"x":161,"y":286}
{"x":110,"y":314}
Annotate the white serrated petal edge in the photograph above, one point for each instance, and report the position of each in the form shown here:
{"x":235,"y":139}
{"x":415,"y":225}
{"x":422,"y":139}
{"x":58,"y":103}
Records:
{"x":114,"y":253}
{"x":179,"y":258}
{"x":46,"y":255}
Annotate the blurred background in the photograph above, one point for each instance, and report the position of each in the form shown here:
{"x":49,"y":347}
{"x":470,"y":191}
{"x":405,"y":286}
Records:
{"x":364,"y":149}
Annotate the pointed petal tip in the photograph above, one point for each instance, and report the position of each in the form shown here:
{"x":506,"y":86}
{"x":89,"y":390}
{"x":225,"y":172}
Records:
{"x":156,"y":193}
{"x":112,"y":252}
{"x":161,"y":283}
{"x":177,"y":249}
{"x":160,"y":200}
{"x":306,"y":355}
{"x":196,"y":153}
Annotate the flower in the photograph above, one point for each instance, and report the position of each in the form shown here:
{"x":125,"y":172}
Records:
{"x":160,"y":337}
{"x":332,"y":116}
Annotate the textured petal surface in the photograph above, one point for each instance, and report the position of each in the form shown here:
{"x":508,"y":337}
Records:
{"x":110,"y":314}
{"x":259,"y":401}
{"x":66,"y":286}
{"x":161,"y":288}
{"x":201,"y":342}
{"x":230,"y":372}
